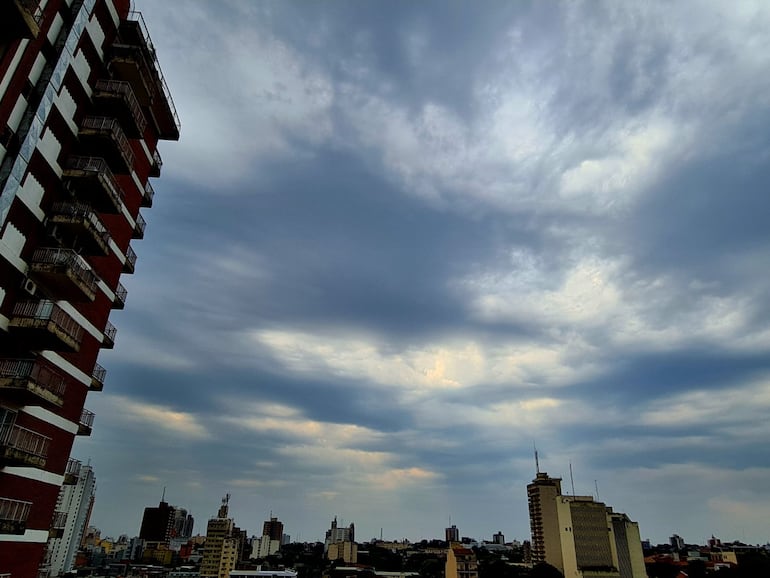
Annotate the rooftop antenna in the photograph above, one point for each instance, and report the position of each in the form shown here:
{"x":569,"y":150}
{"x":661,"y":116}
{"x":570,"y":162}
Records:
{"x":163,"y":496}
{"x":596,"y":485}
{"x":571,"y":479}
{"x":380,"y":534}
{"x":537,"y":461}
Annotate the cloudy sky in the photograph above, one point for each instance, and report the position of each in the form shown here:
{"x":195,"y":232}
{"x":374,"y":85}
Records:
{"x":401,"y":242}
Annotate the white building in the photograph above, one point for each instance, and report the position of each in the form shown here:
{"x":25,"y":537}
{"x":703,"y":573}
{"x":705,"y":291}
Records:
{"x":75,"y":501}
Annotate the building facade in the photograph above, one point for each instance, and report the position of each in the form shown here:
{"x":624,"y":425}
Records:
{"x":222,"y":548}
{"x":83,"y":104}
{"x":581,"y":537}
{"x":75,"y":504}
{"x":461,"y":563}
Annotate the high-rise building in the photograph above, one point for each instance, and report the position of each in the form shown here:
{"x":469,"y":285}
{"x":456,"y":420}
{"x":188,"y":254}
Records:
{"x":541,"y":494}
{"x":73,"y":514}
{"x":83,"y":104}
{"x":498,"y":538}
{"x":221,"y":551}
{"x":581,"y":537}
{"x":452,"y":534}
{"x":273,"y":528}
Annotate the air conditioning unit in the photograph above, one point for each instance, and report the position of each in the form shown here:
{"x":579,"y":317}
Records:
{"x":30,"y":286}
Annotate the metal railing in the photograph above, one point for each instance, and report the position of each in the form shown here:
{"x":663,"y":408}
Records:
{"x":149,"y":194}
{"x":46,"y":310}
{"x":124,"y":90}
{"x":59,"y":520}
{"x":87,"y":418}
{"x":100,"y":167}
{"x":157,"y":161}
{"x":110,"y":331}
{"x":68,"y":259}
{"x":99,"y":373}
{"x":84,"y":211}
{"x":121,"y":293}
{"x":130,"y":258}
{"x":112,"y":126}
{"x":14,"y":510}
{"x":24,"y":440}
{"x":141,"y":225}
{"x":29,"y":369}
{"x":73,"y":468}
{"x":150,"y":49}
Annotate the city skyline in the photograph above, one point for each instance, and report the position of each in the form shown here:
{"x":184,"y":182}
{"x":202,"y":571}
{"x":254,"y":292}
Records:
{"x":396,"y":245}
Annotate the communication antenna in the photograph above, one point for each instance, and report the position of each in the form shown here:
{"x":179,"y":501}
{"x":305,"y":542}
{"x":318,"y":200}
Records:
{"x":571,"y":479}
{"x":537,"y":461}
{"x":596,"y":485}
{"x":163,"y":496}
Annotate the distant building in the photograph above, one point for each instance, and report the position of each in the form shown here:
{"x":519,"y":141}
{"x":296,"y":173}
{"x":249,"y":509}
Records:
{"x":498,"y":538}
{"x":73,"y":511}
{"x":273,"y":528}
{"x":346,"y":551}
{"x":340,"y":543}
{"x":581,"y":537}
{"x":452,"y":534}
{"x":542,"y":494}
{"x":461,"y":563}
{"x":221,"y":551}
{"x":677,"y":542}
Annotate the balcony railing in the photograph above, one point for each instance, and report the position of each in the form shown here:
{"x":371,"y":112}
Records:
{"x":57,"y":266}
{"x":34,"y":378}
{"x":13,"y":515}
{"x":157,"y":164}
{"x":149,"y":51}
{"x":47,"y":321}
{"x":98,"y":375}
{"x":23,"y":446}
{"x":140,"y":226}
{"x":121,"y":294}
{"x":109,"y":128}
{"x":149,"y":193}
{"x":122,"y":90}
{"x":80,"y":217}
{"x":86,"y":422}
{"x":109,"y":336}
{"x":111,"y":199}
{"x":130,"y":264}
{"x":72,"y":472}
{"x":59,"y":520}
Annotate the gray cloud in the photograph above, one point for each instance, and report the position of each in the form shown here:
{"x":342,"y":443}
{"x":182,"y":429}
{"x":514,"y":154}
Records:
{"x":397,"y":245}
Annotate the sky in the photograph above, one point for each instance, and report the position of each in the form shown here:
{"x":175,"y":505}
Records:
{"x":399,"y":244}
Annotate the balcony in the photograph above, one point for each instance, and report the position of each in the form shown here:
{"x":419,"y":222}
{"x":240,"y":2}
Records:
{"x":129,"y":266}
{"x":81,"y":225}
{"x":157,"y":164}
{"x":110,"y":331}
{"x":139,"y":228}
{"x":13,"y":516}
{"x":116,"y":98}
{"x":29,"y":382}
{"x":86,"y":423}
{"x":20,"y":446}
{"x":19,"y":19}
{"x":72,"y":473}
{"x":132,"y":58}
{"x":103,"y":135}
{"x":57,"y":525}
{"x":121,"y":294}
{"x":91,"y":179}
{"x":97,"y":378}
{"x":64,"y":273}
{"x":44,"y":325}
{"x":149,"y":193}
